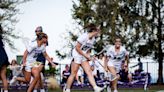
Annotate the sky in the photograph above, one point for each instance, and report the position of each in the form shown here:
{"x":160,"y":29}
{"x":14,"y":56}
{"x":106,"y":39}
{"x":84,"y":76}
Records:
{"x":53,"y":15}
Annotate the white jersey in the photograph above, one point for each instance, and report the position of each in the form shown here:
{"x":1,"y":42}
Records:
{"x":100,"y":67}
{"x":116,"y":59}
{"x":33,"y":51}
{"x":95,"y":65}
{"x":86,"y":45}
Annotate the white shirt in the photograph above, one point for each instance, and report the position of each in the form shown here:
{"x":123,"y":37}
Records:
{"x":95,"y":65}
{"x":86,"y":43}
{"x":100,"y":67}
{"x":117,"y":57}
{"x":34,"y":50}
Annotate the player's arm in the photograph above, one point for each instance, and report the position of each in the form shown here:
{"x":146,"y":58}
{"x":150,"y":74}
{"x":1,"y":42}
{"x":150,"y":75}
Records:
{"x":106,"y":63}
{"x":29,"y":49}
{"x":126,"y":60}
{"x":78,"y":49}
{"x":134,"y":66}
{"x":48,"y":59}
{"x":24,"y":57}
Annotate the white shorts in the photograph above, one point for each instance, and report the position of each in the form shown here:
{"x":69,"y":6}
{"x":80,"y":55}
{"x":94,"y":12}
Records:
{"x":29,"y":66}
{"x":116,"y":65}
{"x":77,"y":57}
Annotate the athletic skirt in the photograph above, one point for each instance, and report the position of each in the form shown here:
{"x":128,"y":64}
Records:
{"x":3,"y":57}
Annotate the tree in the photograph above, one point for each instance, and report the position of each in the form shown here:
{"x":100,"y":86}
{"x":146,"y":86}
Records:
{"x":139,"y":23}
{"x":8,"y":19}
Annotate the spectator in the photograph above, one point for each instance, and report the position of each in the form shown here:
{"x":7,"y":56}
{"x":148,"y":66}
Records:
{"x":100,"y":68}
{"x":80,"y":76}
{"x":95,"y":69}
{"x":15,"y":69}
{"x":11,"y":66}
{"x":94,"y":72}
{"x":65,"y":74}
{"x":140,"y":67}
{"x":124,"y":75}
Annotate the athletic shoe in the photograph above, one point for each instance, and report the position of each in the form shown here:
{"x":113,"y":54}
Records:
{"x":13,"y":80}
{"x":6,"y":91}
{"x":108,"y":89}
{"x":66,"y":90}
{"x":98,"y":89}
{"x":42,"y":90}
{"x":115,"y":91}
{"x":34,"y":90}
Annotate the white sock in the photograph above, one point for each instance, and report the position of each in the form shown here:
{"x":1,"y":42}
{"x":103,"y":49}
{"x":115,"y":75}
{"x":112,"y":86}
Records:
{"x":34,"y":90}
{"x":68,"y":90}
{"x":95,"y":87}
{"x":115,"y":90}
{"x":5,"y":90}
{"x":42,"y":90}
{"x":108,"y":89}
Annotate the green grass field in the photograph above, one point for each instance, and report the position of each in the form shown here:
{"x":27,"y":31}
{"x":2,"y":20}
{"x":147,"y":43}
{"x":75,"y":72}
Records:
{"x":127,"y":90}
{"x":154,"y":88}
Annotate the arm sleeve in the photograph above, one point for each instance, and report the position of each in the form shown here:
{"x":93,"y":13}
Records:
{"x":109,"y":53}
{"x":44,"y":49}
{"x":126,"y":52}
{"x":31,"y":47}
{"x":82,"y":38}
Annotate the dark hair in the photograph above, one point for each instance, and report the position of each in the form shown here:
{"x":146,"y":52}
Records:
{"x":91,"y":27}
{"x":41,"y":35}
{"x":39,"y":28}
{"x":14,"y":61}
{"x":116,"y":37}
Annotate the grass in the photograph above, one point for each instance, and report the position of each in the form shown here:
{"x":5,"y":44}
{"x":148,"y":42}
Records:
{"x":153,"y":88}
{"x":127,"y":90}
